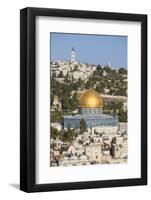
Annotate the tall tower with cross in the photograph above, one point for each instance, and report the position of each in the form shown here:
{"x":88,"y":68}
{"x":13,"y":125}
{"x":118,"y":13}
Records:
{"x":73,"y":55}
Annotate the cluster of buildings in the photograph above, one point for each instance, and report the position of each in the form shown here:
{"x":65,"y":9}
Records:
{"x":90,"y":148}
{"x":71,"y":69}
{"x":104,"y":141}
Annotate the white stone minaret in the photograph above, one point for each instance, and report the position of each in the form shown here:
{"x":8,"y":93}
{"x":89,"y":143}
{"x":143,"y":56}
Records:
{"x":73,"y":55}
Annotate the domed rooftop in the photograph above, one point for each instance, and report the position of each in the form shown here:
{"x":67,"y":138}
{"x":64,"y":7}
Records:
{"x":90,"y":99}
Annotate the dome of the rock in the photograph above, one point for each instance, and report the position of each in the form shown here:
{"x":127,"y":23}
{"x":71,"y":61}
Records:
{"x":90,"y":99}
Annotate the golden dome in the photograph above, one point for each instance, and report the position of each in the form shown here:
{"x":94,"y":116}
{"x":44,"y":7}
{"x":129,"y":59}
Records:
{"x":90,"y":99}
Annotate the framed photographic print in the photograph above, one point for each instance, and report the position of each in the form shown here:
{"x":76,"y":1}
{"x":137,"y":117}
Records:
{"x":83,"y":99}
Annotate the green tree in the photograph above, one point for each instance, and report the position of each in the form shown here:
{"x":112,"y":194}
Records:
{"x":83,"y":127}
{"x":122,"y":71}
{"x":100,"y":88}
{"x":87,"y":85}
{"x":107,"y":69}
{"x":65,"y":104}
{"x":122,"y":116}
{"x":68,"y":135}
{"x":54,"y":132}
{"x":99,"y":67}
{"x":56,"y":116}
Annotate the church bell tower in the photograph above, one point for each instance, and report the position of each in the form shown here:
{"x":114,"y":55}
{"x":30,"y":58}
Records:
{"x":73,"y":55}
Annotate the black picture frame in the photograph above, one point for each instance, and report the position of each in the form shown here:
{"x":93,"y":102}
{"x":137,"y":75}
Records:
{"x":28,"y":99}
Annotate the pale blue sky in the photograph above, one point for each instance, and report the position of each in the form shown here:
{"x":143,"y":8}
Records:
{"x":93,"y":49}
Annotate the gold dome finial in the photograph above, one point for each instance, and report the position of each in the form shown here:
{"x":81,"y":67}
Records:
{"x":90,"y":99}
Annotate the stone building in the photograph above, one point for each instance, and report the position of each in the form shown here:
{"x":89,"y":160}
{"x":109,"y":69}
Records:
{"x":56,"y":105}
{"x":93,"y":151}
{"x":119,"y":147}
{"x":91,"y":110}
